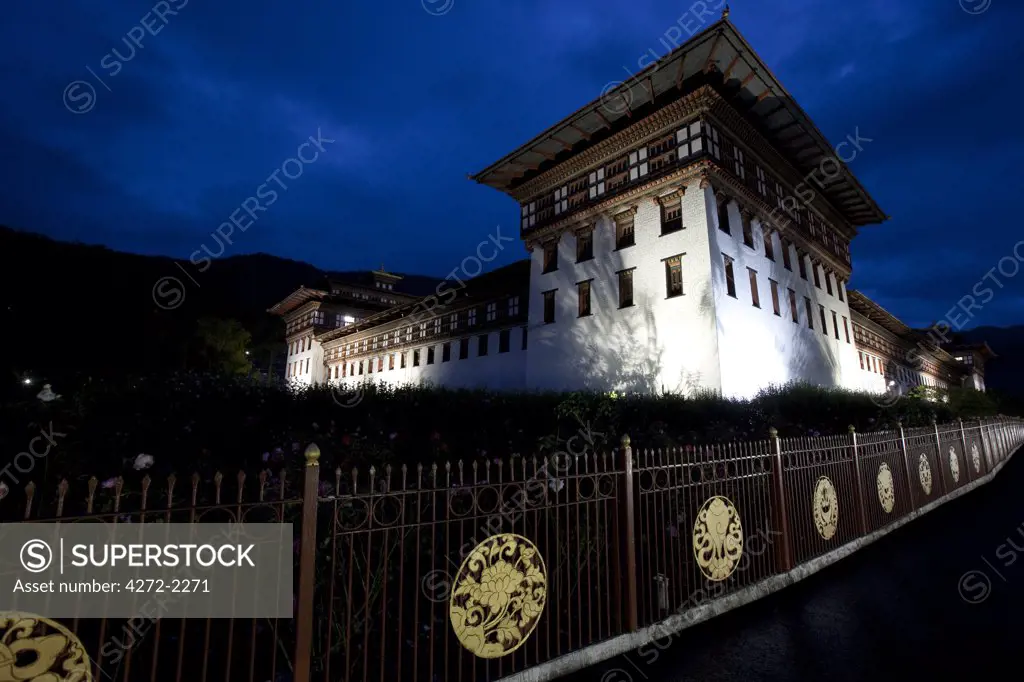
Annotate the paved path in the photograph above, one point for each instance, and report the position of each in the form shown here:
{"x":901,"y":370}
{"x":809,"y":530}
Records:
{"x":899,"y":609}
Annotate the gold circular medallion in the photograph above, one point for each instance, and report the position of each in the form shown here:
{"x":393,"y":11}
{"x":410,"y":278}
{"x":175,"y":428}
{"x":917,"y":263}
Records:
{"x":499,"y":595}
{"x":717,"y":538}
{"x":37,"y":649}
{"x":924,"y":472}
{"x":826,"y":508}
{"x":954,"y":464}
{"x":976,"y":457}
{"x":886,"y":489}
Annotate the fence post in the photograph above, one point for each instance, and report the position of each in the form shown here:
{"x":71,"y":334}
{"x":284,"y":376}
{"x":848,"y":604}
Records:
{"x":786,"y":560}
{"x":968,"y":464}
{"x":938,"y":456}
{"x":862,"y":509}
{"x":625,"y":540}
{"x":906,"y":466}
{"x":307,"y":562}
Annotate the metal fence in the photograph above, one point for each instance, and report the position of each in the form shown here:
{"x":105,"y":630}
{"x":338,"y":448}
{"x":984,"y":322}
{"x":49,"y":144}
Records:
{"x":477,"y":571}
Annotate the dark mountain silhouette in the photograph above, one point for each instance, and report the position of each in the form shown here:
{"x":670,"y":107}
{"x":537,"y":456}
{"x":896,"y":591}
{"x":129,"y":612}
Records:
{"x":79,"y":308}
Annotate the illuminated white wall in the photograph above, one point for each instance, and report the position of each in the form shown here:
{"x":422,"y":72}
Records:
{"x":657,"y":344}
{"x":758,"y":348}
{"x":497,"y":371}
{"x":314,"y":353}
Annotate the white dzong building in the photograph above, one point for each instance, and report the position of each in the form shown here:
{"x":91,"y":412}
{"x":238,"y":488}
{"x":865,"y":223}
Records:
{"x":689,"y":230}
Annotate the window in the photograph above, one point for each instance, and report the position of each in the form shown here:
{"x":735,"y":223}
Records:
{"x":674,"y":276}
{"x":584,"y":245}
{"x":792,"y":307}
{"x":550,"y":257}
{"x":307,"y":365}
{"x":524,"y":338}
{"x":814,"y":270}
{"x":463,"y":349}
{"x":361,"y":367}
{"x":561,"y":203}
{"x":492,"y":312}
{"x":762,"y":185}
{"x":835,"y":324}
{"x":437,"y":326}
{"x":504,"y":336}
{"x":430,"y":355}
{"x":380,"y":364}
{"x":839,"y":290}
{"x":391,"y":362}
{"x":624,"y":235}
{"x":824,"y":322}
{"x":753,"y":287}
{"x":723,"y":215}
{"x":471,"y":318}
{"x":730,"y":279}
{"x":625,"y":288}
{"x":748,"y":229}
{"x":810,"y":313}
{"x":801,"y":263}
{"x":741,"y":171}
{"x":769,"y":244}
{"x":584,"y":297}
{"x":423,"y":330}
{"x":775,"y":296}
{"x":401,"y":362}
{"x":415,"y":358}
{"x":454,"y":321}
{"x":596,"y":182}
{"x":786,"y":262}
{"x":671,"y":213}
{"x":481,"y":345}
{"x":408,"y":334}
{"x":828,"y":282}
{"x":638,"y":163}
{"x":689,"y":140}
{"x":528,"y":215}
{"x":860,"y":354}
{"x":846,"y":329}
{"x":549,"y":306}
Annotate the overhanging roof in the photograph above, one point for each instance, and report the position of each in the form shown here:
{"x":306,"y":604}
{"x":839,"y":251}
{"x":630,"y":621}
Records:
{"x":746,"y":82}
{"x":299,"y":297}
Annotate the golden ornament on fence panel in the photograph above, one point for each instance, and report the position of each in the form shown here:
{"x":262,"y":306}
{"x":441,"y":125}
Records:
{"x":886,"y":489}
{"x":976,"y":457}
{"x":826,"y":508}
{"x":717,"y":538}
{"x":499,"y":595}
{"x":924,"y":472}
{"x":37,"y":649}
{"x":954,"y":464}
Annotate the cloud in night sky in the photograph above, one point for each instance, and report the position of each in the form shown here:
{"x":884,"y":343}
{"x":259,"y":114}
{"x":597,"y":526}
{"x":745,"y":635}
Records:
{"x":205,"y":110}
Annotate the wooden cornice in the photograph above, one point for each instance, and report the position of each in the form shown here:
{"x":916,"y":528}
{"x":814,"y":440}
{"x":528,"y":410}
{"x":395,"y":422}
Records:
{"x":675,"y":195}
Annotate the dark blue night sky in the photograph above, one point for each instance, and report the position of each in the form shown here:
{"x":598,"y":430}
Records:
{"x":418,"y":94}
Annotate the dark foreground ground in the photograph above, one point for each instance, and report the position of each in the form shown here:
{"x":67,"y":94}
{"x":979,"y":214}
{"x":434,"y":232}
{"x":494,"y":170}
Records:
{"x":900,"y":609}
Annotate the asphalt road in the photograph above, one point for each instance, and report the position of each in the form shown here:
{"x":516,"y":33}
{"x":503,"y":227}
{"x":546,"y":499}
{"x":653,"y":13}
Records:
{"x":942,"y":598}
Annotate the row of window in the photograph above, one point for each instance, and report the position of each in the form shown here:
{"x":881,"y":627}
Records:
{"x":297,"y":368}
{"x":300,"y":345}
{"x":438,"y":326}
{"x":877,"y":365}
{"x":354,"y":368}
{"x":673,"y":288}
{"x":681,"y":145}
{"x":794,"y":311}
{"x":768,"y":246}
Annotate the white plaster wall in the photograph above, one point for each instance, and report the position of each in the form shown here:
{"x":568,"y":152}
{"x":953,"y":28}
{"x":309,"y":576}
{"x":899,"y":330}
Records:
{"x":657,"y":344}
{"x":313,"y":352}
{"x":496,"y":371}
{"x":758,"y":348}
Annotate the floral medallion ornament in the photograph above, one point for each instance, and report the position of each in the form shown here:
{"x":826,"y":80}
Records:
{"x":886,"y":489}
{"x":717,"y":538}
{"x":976,"y":458}
{"x":924,"y":472}
{"x":826,"y":508}
{"x":954,"y":464}
{"x":39,"y":649}
{"x":499,"y":595}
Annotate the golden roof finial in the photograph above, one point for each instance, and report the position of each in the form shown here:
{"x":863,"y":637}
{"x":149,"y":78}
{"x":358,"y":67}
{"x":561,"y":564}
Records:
{"x":382,"y":267}
{"x":725,"y":12}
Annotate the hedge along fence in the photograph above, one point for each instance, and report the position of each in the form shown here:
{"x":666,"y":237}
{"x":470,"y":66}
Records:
{"x":478,"y":570}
